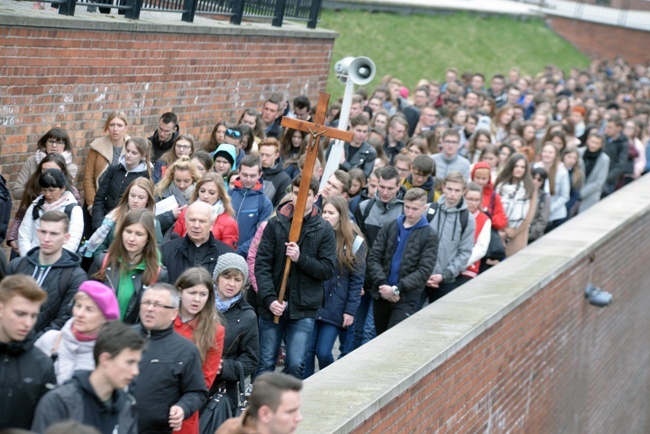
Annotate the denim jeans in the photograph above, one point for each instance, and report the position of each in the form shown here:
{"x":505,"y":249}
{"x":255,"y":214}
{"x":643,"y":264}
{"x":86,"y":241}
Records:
{"x":363,"y":329}
{"x":296,"y":334}
{"x":322,"y":341}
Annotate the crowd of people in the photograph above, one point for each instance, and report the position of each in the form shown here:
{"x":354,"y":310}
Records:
{"x":159,"y":284}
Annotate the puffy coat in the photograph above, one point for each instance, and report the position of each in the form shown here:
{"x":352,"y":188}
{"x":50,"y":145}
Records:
{"x":276,"y":182}
{"x":72,"y":354}
{"x":343,"y":291}
{"x":491,"y":202}
{"x":315,"y":265}
{"x":26,"y":374}
{"x":5,"y":208}
{"x":251,"y":209}
{"x":170,"y":374}
{"x":240,"y":347}
{"x":416,"y":263}
{"x":112,"y":186}
{"x":112,"y":279}
{"x":60,"y":280}
{"x":77,"y":400}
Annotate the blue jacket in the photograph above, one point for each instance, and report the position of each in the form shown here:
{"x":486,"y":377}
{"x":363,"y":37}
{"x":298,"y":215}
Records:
{"x":251,"y":207}
{"x":343,"y":291}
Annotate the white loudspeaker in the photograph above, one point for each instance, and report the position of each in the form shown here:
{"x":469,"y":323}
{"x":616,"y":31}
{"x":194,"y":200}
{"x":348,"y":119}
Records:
{"x":361,"y":70}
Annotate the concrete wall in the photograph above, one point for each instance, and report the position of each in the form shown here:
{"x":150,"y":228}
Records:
{"x":519,"y":349}
{"x":70,"y":72}
{"x":603,"y":41}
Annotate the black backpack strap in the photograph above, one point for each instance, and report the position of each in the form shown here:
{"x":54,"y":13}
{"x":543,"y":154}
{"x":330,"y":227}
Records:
{"x":366,"y":212}
{"x":431,"y":212}
{"x":464,"y":217}
{"x":68,"y":209}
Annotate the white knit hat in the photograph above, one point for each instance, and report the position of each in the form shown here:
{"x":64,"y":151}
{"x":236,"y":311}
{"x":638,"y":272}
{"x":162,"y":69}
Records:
{"x":229,"y":261}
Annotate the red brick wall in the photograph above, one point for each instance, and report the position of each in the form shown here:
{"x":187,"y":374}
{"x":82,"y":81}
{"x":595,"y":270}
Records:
{"x":634,"y":5}
{"x":603,"y":41}
{"x":553,"y":364}
{"x":73,"y":78}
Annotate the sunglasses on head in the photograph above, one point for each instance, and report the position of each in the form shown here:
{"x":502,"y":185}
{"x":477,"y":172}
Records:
{"x":233,"y":133}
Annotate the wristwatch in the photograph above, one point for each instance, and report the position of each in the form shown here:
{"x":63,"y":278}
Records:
{"x":395,"y":290}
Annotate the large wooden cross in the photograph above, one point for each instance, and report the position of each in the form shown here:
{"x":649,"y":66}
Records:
{"x":316,"y":130}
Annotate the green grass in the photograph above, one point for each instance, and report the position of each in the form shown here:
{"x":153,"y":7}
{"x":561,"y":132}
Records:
{"x":424,"y":46}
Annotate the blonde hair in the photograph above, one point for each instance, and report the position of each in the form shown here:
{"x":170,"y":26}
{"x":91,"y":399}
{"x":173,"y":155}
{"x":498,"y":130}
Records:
{"x":221,"y":187}
{"x":182,"y":164}
{"x":116,"y":114}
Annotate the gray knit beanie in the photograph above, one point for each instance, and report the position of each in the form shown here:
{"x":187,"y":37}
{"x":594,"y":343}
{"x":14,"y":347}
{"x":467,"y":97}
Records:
{"x":229,"y":261}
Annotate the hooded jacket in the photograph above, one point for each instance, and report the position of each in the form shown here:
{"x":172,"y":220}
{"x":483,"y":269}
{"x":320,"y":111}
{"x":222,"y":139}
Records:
{"x":304,"y":292}
{"x":414,"y":265}
{"x":112,"y":186}
{"x":251,"y":207}
{"x":491,"y":202}
{"x":77,"y":400}
{"x":170,"y":374}
{"x":428,"y":186}
{"x":454,"y":244}
{"x":5,"y":208}
{"x":363,"y":159}
{"x":26,"y":373}
{"x":276,"y":182}
{"x":379,"y":215}
{"x":27,"y":237}
{"x":617,"y":150}
{"x":56,"y":310}
{"x":72,"y":354}
{"x":445,"y":166}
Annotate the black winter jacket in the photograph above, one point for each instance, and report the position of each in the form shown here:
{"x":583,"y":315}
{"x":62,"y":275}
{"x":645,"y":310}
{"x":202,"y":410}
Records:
{"x":26,"y":373}
{"x":176,"y":257}
{"x":617,"y":150}
{"x":276,"y":182}
{"x":418,"y":260}
{"x":77,"y":400}
{"x":5,"y":208}
{"x":57,"y":309}
{"x":315,"y":265}
{"x":112,"y":280}
{"x":240,"y":347}
{"x":158,"y":148}
{"x":112,"y":186}
{"x":170,"y":374}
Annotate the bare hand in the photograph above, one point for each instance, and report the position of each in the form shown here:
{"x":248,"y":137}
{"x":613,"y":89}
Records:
{"x":176,"y":416}
{"x":348,"y":320}
{"x":14,"y":246}
{"x":434,"y":280}
{"x":293,"y":251}
{"x":277,"y":308}
{"x":176,"y":211}
{"x":90,"y":209}
{"x":386,"y":292}
{"x":220,"y":367}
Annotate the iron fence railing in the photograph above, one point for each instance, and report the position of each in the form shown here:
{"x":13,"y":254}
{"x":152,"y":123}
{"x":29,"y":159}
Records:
{"x":275,"y":10}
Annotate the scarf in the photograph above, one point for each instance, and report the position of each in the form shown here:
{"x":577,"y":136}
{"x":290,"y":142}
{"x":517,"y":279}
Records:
{"x":83,"y":337}
{"x":182,"y":197}
{"x":223,"y":306}
{"x":61,"y":202}
{"x":515,"y":203}
{"x":97,"y":239}
{"x":218,"y":208}
{"x":590,"y":159}
{"x":40,"y":154}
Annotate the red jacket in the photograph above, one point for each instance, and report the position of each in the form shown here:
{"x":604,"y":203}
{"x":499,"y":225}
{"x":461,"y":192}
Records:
{"x":492,"y":207}
{"x":480,"y":218}
{"x":225,"y":228}
{"x":210,"y":365}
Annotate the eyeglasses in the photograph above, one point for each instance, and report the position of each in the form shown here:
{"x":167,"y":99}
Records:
{"x":146,"y":304}
{"x":450,"y":142}
{"x":55,"y":142}
{"x":233,"y":133}
{"x":183,"y":147}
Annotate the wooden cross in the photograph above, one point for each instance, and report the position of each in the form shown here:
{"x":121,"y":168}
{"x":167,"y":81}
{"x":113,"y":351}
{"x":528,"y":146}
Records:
{"x":316,"y":130}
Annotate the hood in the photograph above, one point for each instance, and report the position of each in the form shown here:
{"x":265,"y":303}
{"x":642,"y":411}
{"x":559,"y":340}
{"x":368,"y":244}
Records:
{"x":142,"y":167}
{"x":82,"y":380}
{"x":483,"y":165}
{"x":399,"y":198}
{"x":458,"y":208}
{"x":15,"y":349}
{"x":427,"y":186}
{"x":420,"y":224}
{"x":257,"y":187}
{"x":276,"y":168}
{"x":67,"y":259}
{"x":155,"y":140}
{"x":230,"y":150}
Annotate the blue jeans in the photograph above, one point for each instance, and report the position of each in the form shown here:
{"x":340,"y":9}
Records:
{"x":296,"y":334}
{"x":320,"y":346}
{"x":363,"y":329}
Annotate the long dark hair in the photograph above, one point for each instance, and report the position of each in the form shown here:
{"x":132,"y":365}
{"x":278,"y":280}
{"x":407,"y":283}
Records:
{"x":345,"y":233}
{"x":505,"y":176}
{"x":116,"y":252}
{"x":59,"y":134}
{"x":212,"y":144}
{"x":208,"y":319}
{"x":50,"y":178}
{"x":33,"y":188}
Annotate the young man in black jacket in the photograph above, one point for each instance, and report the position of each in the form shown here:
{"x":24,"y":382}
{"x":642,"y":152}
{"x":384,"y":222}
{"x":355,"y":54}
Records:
{"x":26,"y":372}
{"x":97,"y":397}
{"x":400,"y":262}
{"x":57,"y":270}
{"x":170,"y":387}
{"x":312,"y":263}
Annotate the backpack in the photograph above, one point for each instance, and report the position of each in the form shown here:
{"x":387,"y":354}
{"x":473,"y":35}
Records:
{"x":464,"y":216}
{"x":68,"y":209}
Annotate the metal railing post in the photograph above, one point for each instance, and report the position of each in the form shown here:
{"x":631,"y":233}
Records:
{"x":237,"y":11}
{"x":134,"y":9}
{"x":280,"y":5}
{"x":314,"y":10}
{"x":67,"y":8}
{"x":189,"y":9}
